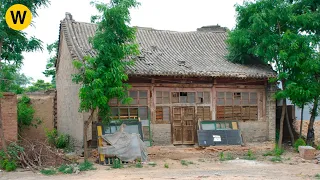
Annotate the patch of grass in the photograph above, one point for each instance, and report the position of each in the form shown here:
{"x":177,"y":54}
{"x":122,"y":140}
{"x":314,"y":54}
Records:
{"x":250,"y":155}
{"x":166,"y":165}
{"x":86,"y":166}
{"x":275,"y":152}
{"x":276,"y":159}
{"x":139,"y":164}
{"x":318,"y":147}
{"x":229,"y":156}
{"x":65,"y":169}
{"x":153,"y":164}
{"x":299,"y":142}
{"x":221,"y":156}
{"x":48,"y":172}
{"x":317,"y":176}
{"x":185,"y":163}
{"x":117,"y":164}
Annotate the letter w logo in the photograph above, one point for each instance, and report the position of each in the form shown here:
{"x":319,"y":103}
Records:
{"x":18,"y":16}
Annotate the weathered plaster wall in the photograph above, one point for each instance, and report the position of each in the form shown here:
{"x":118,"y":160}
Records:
{"x":69,"y":120}
{"x":43,"y":104}
{"x":161,"y":134}
{"x":9,"y":117}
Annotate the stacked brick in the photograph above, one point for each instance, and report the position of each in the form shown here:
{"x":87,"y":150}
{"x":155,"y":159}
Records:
{"x":9,"y":117}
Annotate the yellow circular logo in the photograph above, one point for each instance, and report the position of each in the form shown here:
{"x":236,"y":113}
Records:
{"x":18,"y":17}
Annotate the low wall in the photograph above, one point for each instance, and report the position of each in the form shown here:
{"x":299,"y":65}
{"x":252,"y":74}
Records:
{"x":43,"y":103}
{"x":305,"y":129}
{"x":9,"y":117}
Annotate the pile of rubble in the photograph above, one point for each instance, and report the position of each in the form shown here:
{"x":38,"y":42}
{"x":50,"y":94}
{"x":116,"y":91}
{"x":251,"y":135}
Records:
{"x":317,"y":159}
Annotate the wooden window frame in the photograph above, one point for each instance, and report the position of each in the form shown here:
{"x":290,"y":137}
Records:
{"x":239,"y":110}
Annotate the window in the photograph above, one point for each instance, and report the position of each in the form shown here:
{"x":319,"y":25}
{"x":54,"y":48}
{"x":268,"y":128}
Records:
{"x":203,"y":112}
{"x":183,"y":97}
{"x":237,"y":106}
{"x":129,"y":113}
{"x":162,"y":97}
{"x":163,"y":114}
{"x":203,"y":97}
{"x":138,"y":98}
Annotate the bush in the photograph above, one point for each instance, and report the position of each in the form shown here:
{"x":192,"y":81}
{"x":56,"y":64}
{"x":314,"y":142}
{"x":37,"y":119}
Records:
{"x":9,"y":160}
{"x":61,"y":141}
{"x":299,"y":142}
{"x":65,"y":169}
{"x":250,"y":155}
{"x":116,"y":164}
{"x":166,"y":165}
{"x":86,"y":166}
{"x":26,"y":113}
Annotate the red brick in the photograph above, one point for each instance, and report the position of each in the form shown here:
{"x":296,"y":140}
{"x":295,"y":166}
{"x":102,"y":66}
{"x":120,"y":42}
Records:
{"x":9,"y":117}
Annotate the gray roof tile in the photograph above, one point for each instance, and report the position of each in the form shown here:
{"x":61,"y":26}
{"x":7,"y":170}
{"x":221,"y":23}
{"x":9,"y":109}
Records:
{"x":198,"y":53}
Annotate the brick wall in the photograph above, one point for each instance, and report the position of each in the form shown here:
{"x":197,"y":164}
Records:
{"x":271,"y":111}
{"x":9,"y":117}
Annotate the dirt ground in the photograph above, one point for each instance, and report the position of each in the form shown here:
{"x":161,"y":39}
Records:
{"x":201,"y":164}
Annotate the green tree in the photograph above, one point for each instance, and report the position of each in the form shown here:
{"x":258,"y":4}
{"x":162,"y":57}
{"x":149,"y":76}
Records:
{"x":13,"y":43}
{"x":39,"y":85}
{"x":269,"y":32}
{"x":102,"y":77}
{"x":50,"y":67}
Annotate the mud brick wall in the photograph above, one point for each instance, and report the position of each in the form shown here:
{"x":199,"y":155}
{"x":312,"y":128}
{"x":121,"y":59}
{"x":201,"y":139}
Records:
{"x":161,"y":134}
{"x":43,"y":104}
{"x":9,"y":117}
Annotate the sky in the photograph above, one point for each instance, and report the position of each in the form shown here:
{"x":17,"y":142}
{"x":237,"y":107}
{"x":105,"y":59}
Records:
{"x":176,"y":15}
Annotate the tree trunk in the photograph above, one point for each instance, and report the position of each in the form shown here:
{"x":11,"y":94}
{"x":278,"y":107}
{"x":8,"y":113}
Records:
{"x":85,"y":131}
{"x":301,"y":121}
{"x":310,"y":135}
{"x":283,"y":113}
{"x":288,"y":123}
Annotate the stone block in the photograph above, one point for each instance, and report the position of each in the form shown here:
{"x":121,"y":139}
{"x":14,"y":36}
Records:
{"x":307,"y":152}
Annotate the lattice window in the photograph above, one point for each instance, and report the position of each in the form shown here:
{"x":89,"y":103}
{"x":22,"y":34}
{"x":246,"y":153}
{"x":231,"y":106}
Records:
{"x":237,"y":105}
{"x":204,"y":113}
{"x":203,"y":98}
{"x":183,"y":97}
{"x":162,"y":97}
{"x":163,"y":114}
{"x":139,"y":98}
{"x":129,"y":112}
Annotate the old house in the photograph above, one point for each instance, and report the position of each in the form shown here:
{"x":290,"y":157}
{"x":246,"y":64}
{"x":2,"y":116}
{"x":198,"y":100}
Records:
{"x":179,"y":78}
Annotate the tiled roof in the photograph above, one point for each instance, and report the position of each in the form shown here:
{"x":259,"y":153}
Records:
{"x":198,"y":53}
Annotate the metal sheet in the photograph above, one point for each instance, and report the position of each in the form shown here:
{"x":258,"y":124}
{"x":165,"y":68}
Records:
{"x":219,"y":137}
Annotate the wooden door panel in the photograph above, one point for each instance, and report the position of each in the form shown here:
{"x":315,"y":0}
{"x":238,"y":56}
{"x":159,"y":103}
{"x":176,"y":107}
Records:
{"x":188,"y":125}
{"x":177,"y":125}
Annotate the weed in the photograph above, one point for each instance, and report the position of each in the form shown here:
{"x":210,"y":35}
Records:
{"x":116,"y":164}
{"x":221,"y":156}
{"x":185,"y":163}
{"x":86,"y":166}
{"x":269,"y":153}
{"x":65,"y":169}
{"x":275,"y":152}
{"x":48,"y":172}
{"x":317,"y":176}
{"x":8,"y":161}
{"x":250,"y":155}
{"x":276,"y":159}
{"x":299,"y":142}
{"x":229,"y":157}
{"x":318,"y":147}
{"x":139,"y":164}
{"x":153,"y":164}
{"x":166,"y":165}
{"x":60,"y":141}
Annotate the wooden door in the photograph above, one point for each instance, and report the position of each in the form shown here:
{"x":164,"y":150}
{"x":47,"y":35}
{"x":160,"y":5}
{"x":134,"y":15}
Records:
{"x":183,"y":125}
